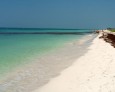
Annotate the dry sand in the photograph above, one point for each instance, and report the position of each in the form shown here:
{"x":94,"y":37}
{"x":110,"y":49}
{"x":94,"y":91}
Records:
{"x":93,"y":72}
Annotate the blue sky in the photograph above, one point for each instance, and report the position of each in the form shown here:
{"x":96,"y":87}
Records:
{"x":57,"y":13}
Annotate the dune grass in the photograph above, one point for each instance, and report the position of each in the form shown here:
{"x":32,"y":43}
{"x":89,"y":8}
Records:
{"x":111,"y":29}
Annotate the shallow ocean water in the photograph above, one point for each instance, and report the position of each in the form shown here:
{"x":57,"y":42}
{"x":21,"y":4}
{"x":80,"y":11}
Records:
{"x":17,"y":49}
{"x":39,"y":56}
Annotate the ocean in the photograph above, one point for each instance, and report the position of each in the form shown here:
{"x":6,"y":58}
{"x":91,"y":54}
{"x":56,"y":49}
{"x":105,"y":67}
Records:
{"x":22,"y":46}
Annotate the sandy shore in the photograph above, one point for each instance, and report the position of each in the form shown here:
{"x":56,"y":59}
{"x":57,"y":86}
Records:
{"x":93,"y":72}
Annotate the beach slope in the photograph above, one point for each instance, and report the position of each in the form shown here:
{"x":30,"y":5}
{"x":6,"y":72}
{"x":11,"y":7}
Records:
{"x":93,"y":72}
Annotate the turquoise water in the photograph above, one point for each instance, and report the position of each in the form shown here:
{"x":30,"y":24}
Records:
{"x":18,"y":49}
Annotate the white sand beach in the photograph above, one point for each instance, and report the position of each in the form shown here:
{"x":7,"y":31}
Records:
{"x":93,"y":72}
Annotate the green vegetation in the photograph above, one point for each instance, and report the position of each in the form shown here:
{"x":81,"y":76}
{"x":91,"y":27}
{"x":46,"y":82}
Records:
{"x":111,"y":29}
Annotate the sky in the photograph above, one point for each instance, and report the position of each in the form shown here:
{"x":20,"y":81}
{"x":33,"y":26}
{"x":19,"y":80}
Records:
{"x":57,"y":13}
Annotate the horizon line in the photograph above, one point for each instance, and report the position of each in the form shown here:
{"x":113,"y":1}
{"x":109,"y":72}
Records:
{"x":48,"y":28}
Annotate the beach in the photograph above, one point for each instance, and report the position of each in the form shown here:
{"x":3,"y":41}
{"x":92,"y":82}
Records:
{"x":35,"y":59}
{"x":92,"y":72}
{"x":57,"y":46}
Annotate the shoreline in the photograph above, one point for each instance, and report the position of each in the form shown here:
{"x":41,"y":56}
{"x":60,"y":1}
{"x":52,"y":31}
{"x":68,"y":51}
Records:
{"x":38,"y":54}
{"x":92,"y":72}
{"x":35,"y":74}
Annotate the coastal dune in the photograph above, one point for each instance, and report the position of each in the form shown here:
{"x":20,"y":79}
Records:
{"x":93,"y":72}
